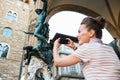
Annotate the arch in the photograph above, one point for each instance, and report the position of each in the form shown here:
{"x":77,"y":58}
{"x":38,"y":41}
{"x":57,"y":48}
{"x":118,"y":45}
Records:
{"x":7,"y":32}
{"x":71,"y":7}
{"x":9,"y":12}
{"x":83,"y":10}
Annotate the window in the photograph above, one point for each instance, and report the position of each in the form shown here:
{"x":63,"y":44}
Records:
{"x":72,"y":69}
{"x":73,"y":72}
{"x":11,"y":15}
{"x":3,"y":49}
{"x":7,"y":32}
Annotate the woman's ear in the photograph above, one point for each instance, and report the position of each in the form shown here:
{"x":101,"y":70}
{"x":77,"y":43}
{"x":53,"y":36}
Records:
{"x":92,"y":33}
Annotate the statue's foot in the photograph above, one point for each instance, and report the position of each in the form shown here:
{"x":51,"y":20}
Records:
{"x":38,"y":11}
{"x":44,"y":0}
{"x":27,"y":48}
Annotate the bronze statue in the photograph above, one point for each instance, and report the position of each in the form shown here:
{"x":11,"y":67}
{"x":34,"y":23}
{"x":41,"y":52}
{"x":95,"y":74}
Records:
{"x":41,"y":30}
{"x":42,"y":49}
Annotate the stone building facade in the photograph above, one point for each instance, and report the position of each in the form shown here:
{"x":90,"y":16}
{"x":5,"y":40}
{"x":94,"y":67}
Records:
{"x":17,"y":17}
{"x":14,"y":20}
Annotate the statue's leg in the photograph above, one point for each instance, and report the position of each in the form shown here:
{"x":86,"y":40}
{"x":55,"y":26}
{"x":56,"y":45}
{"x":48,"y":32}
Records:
{"x":29,"y":58}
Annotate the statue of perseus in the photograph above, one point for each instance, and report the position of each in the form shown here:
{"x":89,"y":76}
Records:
{"x":42,"y":50}
{"x":42,"y":30}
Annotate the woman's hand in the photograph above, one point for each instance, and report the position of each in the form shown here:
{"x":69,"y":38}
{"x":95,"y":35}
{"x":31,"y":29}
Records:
{"x":56,"y":43}
{"x":71,"y":44}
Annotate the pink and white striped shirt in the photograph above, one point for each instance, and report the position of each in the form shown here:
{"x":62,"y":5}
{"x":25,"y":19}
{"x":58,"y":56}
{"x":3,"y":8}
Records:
{"x":100,"y":62}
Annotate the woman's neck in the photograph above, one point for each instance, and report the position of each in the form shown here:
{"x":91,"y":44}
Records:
{"x":95,"y":40}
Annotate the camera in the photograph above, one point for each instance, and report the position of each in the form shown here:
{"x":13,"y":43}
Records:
{"x":63,"y":41}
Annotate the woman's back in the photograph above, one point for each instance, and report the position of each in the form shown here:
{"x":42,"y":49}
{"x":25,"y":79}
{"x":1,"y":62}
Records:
{"x":102,"y":62}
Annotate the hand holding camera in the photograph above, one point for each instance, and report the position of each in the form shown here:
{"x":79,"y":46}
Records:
{"x":68,"y":42}
{"x":63,"y":41}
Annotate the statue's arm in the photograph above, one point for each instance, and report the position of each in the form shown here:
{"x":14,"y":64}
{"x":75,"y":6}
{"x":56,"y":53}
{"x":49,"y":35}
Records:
{"x":42,"y":16}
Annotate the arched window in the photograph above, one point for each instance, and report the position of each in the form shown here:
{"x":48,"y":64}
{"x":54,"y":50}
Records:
{"x":7,"y":32}
{"x":3,"y":49}
{"x":11,"y":15}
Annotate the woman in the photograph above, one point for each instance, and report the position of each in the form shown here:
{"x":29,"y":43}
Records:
{"x":100,"y":62}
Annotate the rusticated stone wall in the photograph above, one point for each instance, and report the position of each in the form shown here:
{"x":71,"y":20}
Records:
{"x":9,"y":69}
{"x":10,"y":66}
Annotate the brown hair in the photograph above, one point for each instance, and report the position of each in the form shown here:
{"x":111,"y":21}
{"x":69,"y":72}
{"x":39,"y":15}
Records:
{"x":96,"y":24}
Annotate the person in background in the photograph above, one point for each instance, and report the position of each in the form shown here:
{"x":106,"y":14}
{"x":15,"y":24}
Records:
{"x":99,"y":61}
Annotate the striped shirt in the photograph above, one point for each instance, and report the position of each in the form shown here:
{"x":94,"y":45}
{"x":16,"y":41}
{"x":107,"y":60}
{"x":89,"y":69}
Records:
{"x":100,"y":62}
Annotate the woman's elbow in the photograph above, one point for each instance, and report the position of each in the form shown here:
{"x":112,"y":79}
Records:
{"x":57,"y":63}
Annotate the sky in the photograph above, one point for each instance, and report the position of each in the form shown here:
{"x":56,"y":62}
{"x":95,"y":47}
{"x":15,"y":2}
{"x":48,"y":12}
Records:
{"x":68,"y":22}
